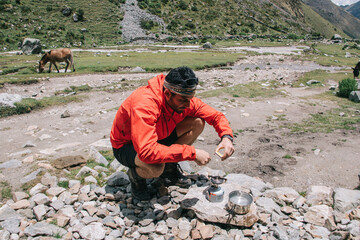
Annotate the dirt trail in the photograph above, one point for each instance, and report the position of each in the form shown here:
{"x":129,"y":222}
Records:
{"x":261,"y":143}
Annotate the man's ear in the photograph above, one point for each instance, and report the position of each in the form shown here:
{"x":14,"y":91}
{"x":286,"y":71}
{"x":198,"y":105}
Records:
{"x":167,"y":93}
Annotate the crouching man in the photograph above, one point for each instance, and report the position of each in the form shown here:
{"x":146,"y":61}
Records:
{"x":155,"y":127}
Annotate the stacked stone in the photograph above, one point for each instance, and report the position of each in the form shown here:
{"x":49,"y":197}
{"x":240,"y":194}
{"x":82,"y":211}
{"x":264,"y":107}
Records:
{"x":88,"y":211}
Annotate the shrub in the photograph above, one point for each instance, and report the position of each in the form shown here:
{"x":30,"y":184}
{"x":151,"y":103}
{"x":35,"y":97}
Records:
{"x":346,"y":86}
{"x":147,"y":24}
{"x":190,"y":25}
{"x":80,"y":14}
{"x":182,"y":5}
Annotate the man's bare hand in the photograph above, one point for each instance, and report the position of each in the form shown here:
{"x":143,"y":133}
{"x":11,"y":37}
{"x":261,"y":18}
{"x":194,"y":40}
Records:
{"x":202,"y":157}
{"x":228,"y":147}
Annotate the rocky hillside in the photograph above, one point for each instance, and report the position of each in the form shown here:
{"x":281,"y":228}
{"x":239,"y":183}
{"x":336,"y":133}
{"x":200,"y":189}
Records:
{"x":354,"y":9}
{"x":92,"y":23}
{"x":337,"y":16}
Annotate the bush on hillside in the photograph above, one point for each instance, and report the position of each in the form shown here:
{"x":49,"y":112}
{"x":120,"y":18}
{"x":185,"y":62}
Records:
{"x":147,"y":24}
{"x":346,"y":86}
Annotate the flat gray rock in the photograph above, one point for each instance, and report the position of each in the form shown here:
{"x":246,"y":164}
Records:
{"x":11,"y":164}
{"x":42,"y":228}
{"x":7,"y":212}
{"x":68,"y":161}
{"x":196,"y":200}
{"x":345,"y":199}
{"x":247,"y":182}
{"x":31,"y":176}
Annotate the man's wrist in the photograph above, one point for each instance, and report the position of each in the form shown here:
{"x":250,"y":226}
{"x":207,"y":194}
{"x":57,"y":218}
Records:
{"x":228,"y":136}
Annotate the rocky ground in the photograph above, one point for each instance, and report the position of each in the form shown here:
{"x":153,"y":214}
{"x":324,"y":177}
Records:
{"x":33,"y":141}
{"x":260,"y":144}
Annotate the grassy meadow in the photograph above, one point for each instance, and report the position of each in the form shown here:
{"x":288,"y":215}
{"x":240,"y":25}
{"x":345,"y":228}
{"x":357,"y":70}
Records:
{"x":22,"y":69}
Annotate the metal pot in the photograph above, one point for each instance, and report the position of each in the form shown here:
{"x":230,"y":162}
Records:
{"x":239,"y":202}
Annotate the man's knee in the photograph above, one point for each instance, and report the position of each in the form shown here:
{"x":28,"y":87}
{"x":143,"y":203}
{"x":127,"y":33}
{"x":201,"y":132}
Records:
{"x":199,"y":125}
{"x":149,"y":170}
{"x":156,"y":170}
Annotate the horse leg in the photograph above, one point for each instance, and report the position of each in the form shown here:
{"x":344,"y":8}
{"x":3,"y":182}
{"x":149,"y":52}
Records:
{"x":50,"y":68}
{"x":67,"y":64}
{"x":56,"y":67}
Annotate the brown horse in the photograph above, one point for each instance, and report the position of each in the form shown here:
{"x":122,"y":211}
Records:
{"x":57,"y":55}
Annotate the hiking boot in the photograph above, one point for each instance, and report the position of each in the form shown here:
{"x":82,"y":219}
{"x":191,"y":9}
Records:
{"x":172,"y":175}
{"x":139,"y":189}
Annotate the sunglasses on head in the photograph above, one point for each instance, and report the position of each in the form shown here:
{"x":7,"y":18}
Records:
{"x":191,"y":81}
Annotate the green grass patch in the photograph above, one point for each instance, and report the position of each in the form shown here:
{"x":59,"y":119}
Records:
{"x":82,"y":88}
{"x":57,"y":235}
{"x":5,"y":190}
{"x":280,"y":117}
{"x":253,"y":90}
{"x":91,"y":164}
{"x":152,"y":62}
{"x":332,"y":55}
{"x":287,"y":156}
{"x":303,"y":194}
{"x":343,"y":117}
{"x":27,"y":105}
{"x":90,"y":62}
{"x":64,"y":184}
{"x":320,"y":75}
{"x":108,"y":155}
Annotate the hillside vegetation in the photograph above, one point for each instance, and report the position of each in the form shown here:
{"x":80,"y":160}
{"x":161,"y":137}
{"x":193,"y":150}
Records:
{"x":43,"y":19}
{"x":354,"y":9}
{"x":337,"y":16}
{"x":99,"y":21}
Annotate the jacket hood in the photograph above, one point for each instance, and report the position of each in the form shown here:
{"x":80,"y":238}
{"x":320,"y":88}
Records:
{"x":156,"y":84}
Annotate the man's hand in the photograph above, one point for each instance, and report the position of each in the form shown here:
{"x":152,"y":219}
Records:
{"x":202,"y":157}
{"x":228,"y":147}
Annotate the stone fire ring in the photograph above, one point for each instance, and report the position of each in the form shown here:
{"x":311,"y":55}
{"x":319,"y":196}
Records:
{"x":196,"y":200}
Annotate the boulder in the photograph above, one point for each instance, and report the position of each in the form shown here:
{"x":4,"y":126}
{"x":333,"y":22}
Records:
{"x":320,"y":215}
{"x":345,"y":199}
{"x":8,"y":100}
{"x":137,"y":69}
{"x":354,"y":96}
{"x":66,"y":11}
{"x":318,"y":195}
{"x":31,"y":46}
{"x":310,"y":82}
{"x":207,"y":45}
{"x":337,"y":37}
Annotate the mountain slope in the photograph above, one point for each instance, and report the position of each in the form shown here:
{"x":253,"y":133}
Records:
{"x":354,"y":9}
{"x":337,"y":16}
{"x":102,"y":23}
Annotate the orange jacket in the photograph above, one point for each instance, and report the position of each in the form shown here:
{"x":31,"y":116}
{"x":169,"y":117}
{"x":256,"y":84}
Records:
{"x":144,"y":118}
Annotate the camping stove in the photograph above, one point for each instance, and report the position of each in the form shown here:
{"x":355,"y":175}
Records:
{"x":215,"y":193}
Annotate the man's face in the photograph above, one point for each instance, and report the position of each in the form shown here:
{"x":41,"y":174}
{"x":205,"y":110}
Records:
{"x":177,"y":102}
